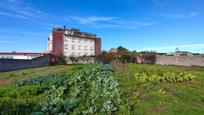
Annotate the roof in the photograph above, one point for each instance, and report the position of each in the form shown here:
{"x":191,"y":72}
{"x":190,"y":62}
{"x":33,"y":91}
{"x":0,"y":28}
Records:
{"x":88,"y":37}
{"x":21,"y":53}
{"x":182,"y":52}
{"x":77,"y":33}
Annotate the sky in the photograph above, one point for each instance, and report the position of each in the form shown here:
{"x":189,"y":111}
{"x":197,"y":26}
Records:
{"x":156,"y":25}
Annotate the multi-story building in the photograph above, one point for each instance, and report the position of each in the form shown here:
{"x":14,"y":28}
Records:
{"x":73,"y":42}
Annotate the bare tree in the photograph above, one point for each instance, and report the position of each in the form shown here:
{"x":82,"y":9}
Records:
{"x":74,"y":59}
{"x":86,"y":58}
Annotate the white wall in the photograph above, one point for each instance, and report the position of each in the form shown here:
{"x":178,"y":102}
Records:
{"x":10,"y":56}
{"x":76,"y":46}
{"x":49,"y":45}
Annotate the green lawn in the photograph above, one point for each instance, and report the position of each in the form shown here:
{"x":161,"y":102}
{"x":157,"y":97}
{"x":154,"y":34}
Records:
{"x":146,"y":98}
{"x":7,"y":78}
{"x":186,"y":98}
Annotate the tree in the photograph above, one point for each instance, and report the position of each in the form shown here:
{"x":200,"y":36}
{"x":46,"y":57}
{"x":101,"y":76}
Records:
{"x":74,"y":59}
{"x":62,"y":59}
{"x":106,"y":57}
{"x":86,"y":58}
{"x":122,"y":54}
{"x":148,"y":57}
{"x":122,"y":49}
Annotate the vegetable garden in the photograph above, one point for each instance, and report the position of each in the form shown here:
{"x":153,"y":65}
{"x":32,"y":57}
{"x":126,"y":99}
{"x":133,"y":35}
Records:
{"x":104,"y":89}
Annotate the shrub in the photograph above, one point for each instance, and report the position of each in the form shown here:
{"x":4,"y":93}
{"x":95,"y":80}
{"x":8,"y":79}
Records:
{"x":150,"y":74}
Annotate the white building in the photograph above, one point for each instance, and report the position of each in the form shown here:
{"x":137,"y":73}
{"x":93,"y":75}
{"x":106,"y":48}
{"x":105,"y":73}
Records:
{"x":19,"y":55}
{"x":73,"y":42}
{"x":76,"y":46}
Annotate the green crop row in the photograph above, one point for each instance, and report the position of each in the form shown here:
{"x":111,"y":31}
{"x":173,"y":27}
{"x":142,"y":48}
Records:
{"x":97,"y":89}
{"x":89,"y":91}
{"x":149,"y":74}
{"x":167,"y":76}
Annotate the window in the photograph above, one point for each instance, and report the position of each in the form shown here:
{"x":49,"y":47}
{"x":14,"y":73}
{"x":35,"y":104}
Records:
{"x":79,"y":54}
{"x":66,"y":53}
{"x":79,"y":47}
{"x":91,"y":48}
{"x":79,"y":41}
{"x":66,"y":39}
{"x":66,"y":46}
{"x":85,"y":48}
{"x":73,"y":47}
{"x":73,"y":40}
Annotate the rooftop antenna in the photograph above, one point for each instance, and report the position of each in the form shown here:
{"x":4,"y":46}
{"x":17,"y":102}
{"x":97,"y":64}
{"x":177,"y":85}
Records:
{"x":177,"y":49}
{"x":65,"y":27}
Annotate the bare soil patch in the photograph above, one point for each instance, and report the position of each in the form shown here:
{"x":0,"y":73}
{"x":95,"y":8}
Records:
{"x":4,"y":82}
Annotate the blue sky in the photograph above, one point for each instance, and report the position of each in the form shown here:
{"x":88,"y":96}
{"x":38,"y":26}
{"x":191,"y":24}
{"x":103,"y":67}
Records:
{"x":159,"y":25}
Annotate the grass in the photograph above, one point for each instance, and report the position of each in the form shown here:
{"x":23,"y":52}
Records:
{"x":13,"y":98}
{"x":151,"y":98}
{"x":7,"y":78}
{"x":186,"y":98}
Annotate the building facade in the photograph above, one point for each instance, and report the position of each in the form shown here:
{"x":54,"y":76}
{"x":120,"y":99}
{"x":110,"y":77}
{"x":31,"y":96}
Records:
{"x":73,"y":42}
{"x":20,"y":55}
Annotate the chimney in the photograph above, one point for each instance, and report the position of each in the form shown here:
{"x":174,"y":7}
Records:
{"x":65,"y":27}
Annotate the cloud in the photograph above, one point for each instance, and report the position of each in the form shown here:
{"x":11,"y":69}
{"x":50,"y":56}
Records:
{"x":14,"y":15}
{"x":18,"y":9}
{"x":173,"y":15}
{"x":144,"y":23}
{"x":23,"y":10}
{"x":12,"y":1}
{"x":7,"y":32}
{"x":109,"y":22}
{"x":90,"y":19}
{"x":192,"y":14}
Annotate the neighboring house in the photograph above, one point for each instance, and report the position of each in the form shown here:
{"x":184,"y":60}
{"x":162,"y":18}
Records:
{"x":180,"y":53}
{"x":161,"y":53}
{"x":73,"y":42}
{"x":19,"y":55}
{"x":113,"y":50}
{"x":183,"y":53}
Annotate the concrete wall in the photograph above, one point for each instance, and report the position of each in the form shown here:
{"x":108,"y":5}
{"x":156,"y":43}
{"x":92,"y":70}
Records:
{"x":90,"y":60}
{"x":15,"y":64}
{"x":180,"y":60}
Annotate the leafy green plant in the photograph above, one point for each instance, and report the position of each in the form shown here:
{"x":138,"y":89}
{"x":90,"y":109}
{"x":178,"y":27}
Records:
{"x":62,"y":59}
{"x":89,"y":91}
{"x":144,"y":75}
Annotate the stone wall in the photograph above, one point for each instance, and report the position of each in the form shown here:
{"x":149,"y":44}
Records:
{"x":15,"y":64}
{"x":180,"y":60}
